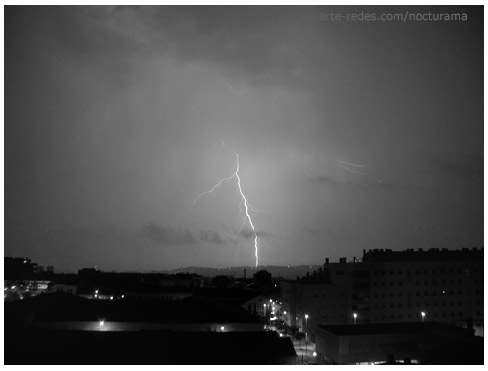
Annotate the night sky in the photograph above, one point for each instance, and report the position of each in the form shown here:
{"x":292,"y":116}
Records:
{"x":350,"y":135}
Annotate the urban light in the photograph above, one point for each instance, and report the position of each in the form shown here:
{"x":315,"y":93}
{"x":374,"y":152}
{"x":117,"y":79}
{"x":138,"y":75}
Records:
{"x":284,"y":312}
{"x":423,"y":316}
{"x":222,"y":328}
{"x":306,"y":333}
{"x":102,"y":322}
{"x":354,"y":316}
{"x":314,"y":354}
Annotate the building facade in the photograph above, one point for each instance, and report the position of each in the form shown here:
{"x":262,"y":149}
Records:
{"x":388,"y":286}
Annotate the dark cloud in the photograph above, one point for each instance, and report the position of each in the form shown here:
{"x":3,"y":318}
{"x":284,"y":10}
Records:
{"x":168,"y":236}
{"x":211,"y":237}
{"x":247,"y":234}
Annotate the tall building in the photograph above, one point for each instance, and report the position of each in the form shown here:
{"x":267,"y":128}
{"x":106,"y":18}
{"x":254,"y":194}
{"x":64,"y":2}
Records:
{"x":388,"y":286}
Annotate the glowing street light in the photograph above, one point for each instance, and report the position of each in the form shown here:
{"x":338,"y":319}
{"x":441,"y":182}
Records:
{"x":354,"y":317}
{"x":306,"y":333}
{"x":102,"y":322}
{"x":222,"y":328}
{"x":423,"y":316}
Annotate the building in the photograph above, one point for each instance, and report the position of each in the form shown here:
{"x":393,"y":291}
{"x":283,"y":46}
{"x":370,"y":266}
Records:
{"x":62,"y":347}
{"x":61,"y":311}
{"x":397,"y":343}
{"x":19,"y":268}
{"x":388,"y":286}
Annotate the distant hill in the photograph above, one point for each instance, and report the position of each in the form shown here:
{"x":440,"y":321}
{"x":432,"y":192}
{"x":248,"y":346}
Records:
{"x":287,"y":272}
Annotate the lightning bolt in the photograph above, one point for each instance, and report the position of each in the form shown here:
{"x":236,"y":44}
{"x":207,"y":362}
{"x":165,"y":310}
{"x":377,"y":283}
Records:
{"x":247,"y":205}
{"x":349,"y":166}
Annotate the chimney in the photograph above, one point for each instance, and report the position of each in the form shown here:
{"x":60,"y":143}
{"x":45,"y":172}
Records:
{"x":326,"y":260}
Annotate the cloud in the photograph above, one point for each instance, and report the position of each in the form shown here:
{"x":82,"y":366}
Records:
{"x":211,"y":237}
{"x":247,"y":234}
{"x":168,"y":236}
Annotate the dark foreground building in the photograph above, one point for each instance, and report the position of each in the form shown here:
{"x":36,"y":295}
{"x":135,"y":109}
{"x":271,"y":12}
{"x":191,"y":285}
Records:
{"x":67,"y":329}
{"x":398,"y":343}
{"x":40,"y":346}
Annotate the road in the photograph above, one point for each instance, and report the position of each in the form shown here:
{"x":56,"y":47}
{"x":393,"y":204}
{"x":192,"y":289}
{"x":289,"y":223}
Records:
{"x":304,"y":353}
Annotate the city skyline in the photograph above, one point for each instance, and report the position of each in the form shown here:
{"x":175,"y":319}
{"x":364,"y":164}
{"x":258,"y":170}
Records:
{"x":350,"y":135}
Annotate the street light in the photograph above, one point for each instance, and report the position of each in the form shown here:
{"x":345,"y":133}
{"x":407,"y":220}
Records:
{"x":423,"y":316}
{"x":222,"y":329}
{"x":354,"y":316}
{"x":306,"y":333}
{"x":102,"y":322}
